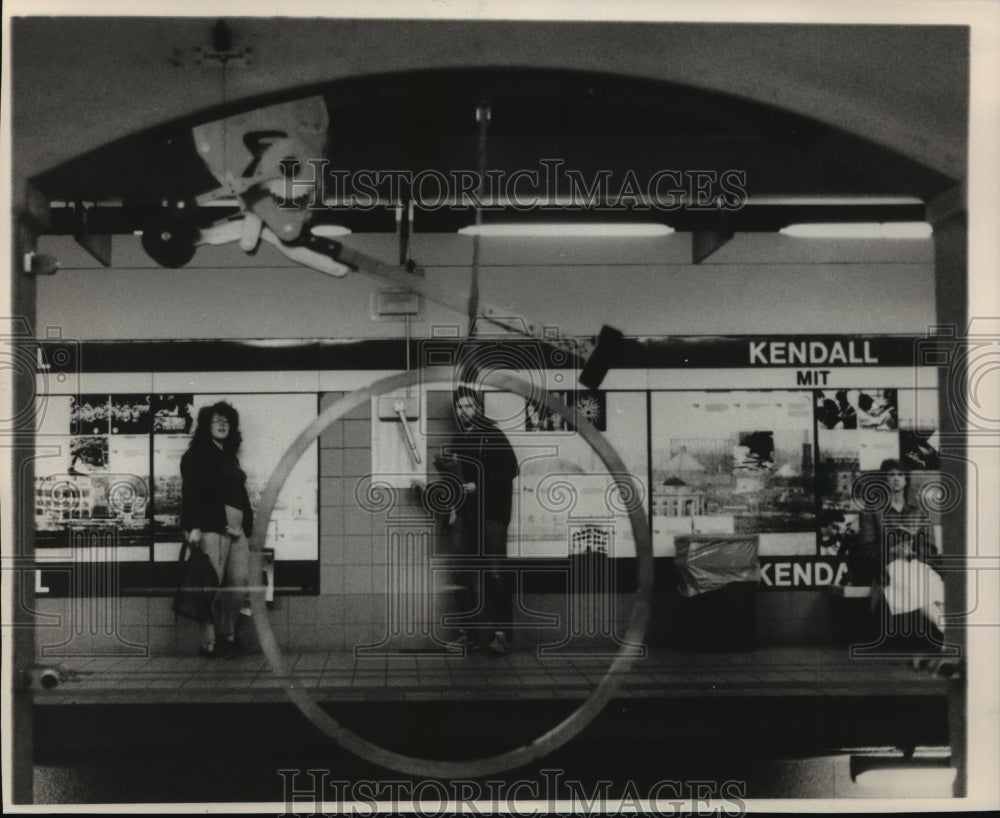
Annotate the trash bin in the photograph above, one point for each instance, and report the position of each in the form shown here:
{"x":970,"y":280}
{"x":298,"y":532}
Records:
{"x":717,"y":577}
{"x":855,"y":621}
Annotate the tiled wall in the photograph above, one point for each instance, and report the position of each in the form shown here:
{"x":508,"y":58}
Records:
{"x":352,"y":608}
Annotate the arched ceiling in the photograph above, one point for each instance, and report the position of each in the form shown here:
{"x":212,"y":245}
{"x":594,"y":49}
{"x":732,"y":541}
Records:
{"x":79,"y":84}
{"x":543,"y":123}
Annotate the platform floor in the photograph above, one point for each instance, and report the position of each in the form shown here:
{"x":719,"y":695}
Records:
{"x":521,"y":675}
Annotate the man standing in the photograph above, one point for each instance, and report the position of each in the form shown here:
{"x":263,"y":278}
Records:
{"x":482,"y":458}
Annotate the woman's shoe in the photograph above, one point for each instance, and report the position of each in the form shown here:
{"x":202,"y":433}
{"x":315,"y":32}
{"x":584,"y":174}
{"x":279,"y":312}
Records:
{"x":465,"y":642}
{"x":500,"y":644}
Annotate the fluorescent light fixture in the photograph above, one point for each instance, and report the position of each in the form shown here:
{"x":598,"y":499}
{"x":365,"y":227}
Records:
{"x":928,"y":772}
{"x":859,"y":230}
{"x":593,"y":230}
{"x":328,"y":230}
{"x":921,"y":782}
{"x":833,"y":201}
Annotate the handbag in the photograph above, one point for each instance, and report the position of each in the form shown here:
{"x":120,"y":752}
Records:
{"x":197,"y":586}
{"x":914,"y":585}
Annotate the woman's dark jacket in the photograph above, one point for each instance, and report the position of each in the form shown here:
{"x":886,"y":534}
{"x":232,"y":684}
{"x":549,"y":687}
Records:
{"x":211,"y":480}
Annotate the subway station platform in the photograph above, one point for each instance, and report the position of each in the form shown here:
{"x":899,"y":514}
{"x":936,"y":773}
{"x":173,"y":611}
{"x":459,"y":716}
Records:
{"x":783,"y":722}
{"x":483,"y":676}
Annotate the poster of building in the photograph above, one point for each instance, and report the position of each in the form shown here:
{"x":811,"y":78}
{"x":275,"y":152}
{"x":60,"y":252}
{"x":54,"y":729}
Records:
{"x":89,"y":475}
{"x":127,"y":478}
{"x":733,"y":463}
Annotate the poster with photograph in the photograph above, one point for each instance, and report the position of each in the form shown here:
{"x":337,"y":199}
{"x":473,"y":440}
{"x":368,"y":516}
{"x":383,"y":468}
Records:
{"x":89,"y":415}
{"x":850,"y":463}
{"x":167,"y":453}
{"x":918,"y":429}
{"x":907,"y":433}
{"x":172,"y":414}
{"x":88,"y":454}
{"x":836,"y":533}
{"x":130,"y":415}
{"x":565,"y":500}
{"x":734,"y":463}
{"x":878,"y":410}
{"x":105,"y":479}
{"x":89,"y":481}
{"x":268,"y":423}
{"x":589,"y":406}
{"x":850,"y":409}
{"x":918,"y":449}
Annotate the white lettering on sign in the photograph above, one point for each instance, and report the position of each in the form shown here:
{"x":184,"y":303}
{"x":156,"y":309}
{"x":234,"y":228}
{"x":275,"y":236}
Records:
{"x":811,"y":353}
{"x":824,"y":573}
{"x":801,"y":574}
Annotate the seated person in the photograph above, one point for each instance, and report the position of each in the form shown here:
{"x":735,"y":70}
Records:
{"x":895,"y":545}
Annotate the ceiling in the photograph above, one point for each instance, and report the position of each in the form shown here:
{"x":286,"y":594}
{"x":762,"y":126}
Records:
{"x":79,"y":82}
{"x":820,"y":123}
{"x":594,"y":124}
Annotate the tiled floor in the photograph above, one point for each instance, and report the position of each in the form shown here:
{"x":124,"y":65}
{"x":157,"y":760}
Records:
{"x":335,"y":677}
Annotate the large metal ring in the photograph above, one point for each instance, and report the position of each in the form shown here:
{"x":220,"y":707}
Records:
{"x":553,"y":738}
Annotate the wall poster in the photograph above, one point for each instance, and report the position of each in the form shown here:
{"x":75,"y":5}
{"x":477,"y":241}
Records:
{"x":795,"y":468}
{"x":108,"y":483}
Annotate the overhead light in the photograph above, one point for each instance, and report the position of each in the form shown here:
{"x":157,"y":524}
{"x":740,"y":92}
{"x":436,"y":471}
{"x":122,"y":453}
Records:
{"x":834,"y":201}
{"x":928,"y":772}
{"x":328,"y":230}
{"x":595,"y":230}
{"x":903,"y":782}
{"x":859,"y":230}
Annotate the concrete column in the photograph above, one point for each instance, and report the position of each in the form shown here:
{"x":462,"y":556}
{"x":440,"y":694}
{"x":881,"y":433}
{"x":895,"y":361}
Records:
{"x":949,"y":218}
{"x":18,"y":433}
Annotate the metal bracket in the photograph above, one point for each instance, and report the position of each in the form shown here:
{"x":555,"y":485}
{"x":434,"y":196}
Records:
{"x":706,"y":242}
{"x":98,"y":245}
{"x":403,"y":409}
{"x":221,"y":53}
{"x":40,"y":265}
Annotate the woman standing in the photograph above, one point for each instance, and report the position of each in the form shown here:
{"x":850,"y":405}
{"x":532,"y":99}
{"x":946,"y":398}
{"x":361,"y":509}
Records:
{"x":896,"y":542}
{"x":216,"y":516}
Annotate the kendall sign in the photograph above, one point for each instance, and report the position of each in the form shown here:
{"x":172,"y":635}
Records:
{"x":801,"y":572}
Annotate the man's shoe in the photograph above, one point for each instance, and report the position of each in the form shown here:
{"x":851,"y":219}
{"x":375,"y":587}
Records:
{"x":465,"y":641}
{"x":500,"y":644}
{"x":208,"y":653}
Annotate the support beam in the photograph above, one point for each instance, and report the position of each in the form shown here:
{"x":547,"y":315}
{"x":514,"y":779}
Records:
{"x":706,"y":242}
{"x":98,"y":245}
{"x":948,"y":216}
{"x":30,"y":213}
{"x":947,"y":205}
